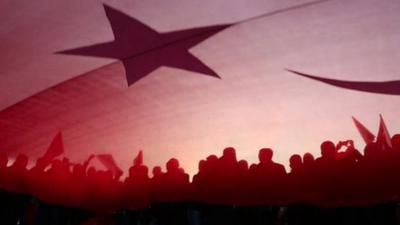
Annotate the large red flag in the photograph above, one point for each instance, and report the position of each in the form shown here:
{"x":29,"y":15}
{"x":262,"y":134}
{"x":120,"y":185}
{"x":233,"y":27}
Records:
{"x":56,"y":147}
{"x":175,"y":111}
{"x":367,"y":135}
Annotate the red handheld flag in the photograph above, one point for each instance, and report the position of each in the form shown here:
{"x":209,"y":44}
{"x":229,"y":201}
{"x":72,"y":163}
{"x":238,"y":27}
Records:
{"x":56,"y":147}
{"x":108,"y":161}
{"x":383,"y":138}
{"x":365,"y":133}
{"x":139,"y":159}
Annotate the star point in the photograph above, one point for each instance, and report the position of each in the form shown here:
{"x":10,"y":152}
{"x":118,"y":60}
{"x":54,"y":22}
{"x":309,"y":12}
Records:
{"x":142,"y":49}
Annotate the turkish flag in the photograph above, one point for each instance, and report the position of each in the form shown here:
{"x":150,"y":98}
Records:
{"x":196,"y":77}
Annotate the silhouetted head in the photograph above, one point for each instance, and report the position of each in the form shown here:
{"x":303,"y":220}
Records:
{"x":172,"y":165}
{"x":157,"y":171}
{"x":57,"y":164}
{"x":265,"y":155}
{"x":396,"y":141}
{"x":41,"y":163}
{"x":202,"y":165}
{"x":212,"y":158}
{"x":143,"y":171}
{"x":91,"y":171}
{"x":66,"y":162}
{"x":3,"y":160}
{"x":243,"y":165}
{"x":308,"y":159}
{"x":371,"y":150}
{"x":21,"y":161}
{"x":295,"y":162}
{"x":229,"y":154}
{"x":328,"y":150}
{"x":78,"y":169}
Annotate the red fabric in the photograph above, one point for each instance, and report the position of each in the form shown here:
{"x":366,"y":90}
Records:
{"x":139,"y":158}
{"x":108,"y":161}
{"x":365,"y":133}
{"x":383,"y":134}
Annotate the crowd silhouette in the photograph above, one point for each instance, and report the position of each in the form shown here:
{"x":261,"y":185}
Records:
{"x":341,"y":177}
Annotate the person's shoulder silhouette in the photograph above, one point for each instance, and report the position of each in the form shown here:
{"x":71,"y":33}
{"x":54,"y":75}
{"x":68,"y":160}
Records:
{"x":372,"y":151}
{"x":3,"y":160}
{"x":20,"y":162}
{"x":396,"y":142}
{"x":157,"y":172}
{"x":265,"y":157}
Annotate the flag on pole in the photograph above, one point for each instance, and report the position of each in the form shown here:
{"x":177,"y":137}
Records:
{"x":108,"y":161}
{"x":139,"y":159}
{"x":56,"y":147}
{"x":367,"y":135}
{"x":383,"y":138}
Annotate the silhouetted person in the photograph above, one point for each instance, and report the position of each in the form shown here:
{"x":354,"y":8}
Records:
{"x":327,"y":173}
{"x":308,"y":160}
{"x":295,"y":186}
{"x":176,"y":182}
{"x":137,"y":185}
{"x":295,"y":163}
{"x":16,"y":184}
{"x":348,"y":172}
{"x":376,"y":175}
{"x":351,"y":154}
{"x":3,"y":160}
{"x":328,"y":151}
{"x":267,"y":177}
{"x":79,"y":183}
{"x":205,"y":180}
{"x":308,"y":179}
{"x":341,"y":177}
{"x":174,"y":189}
{"x":156,"y":184}
{"x":243,"y":178}
{"x":396,"y":142}
{"x":224,"y":179}
{"x":228,"y":157}
{"x":17,"y":175}
{"x":3,"y":170}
